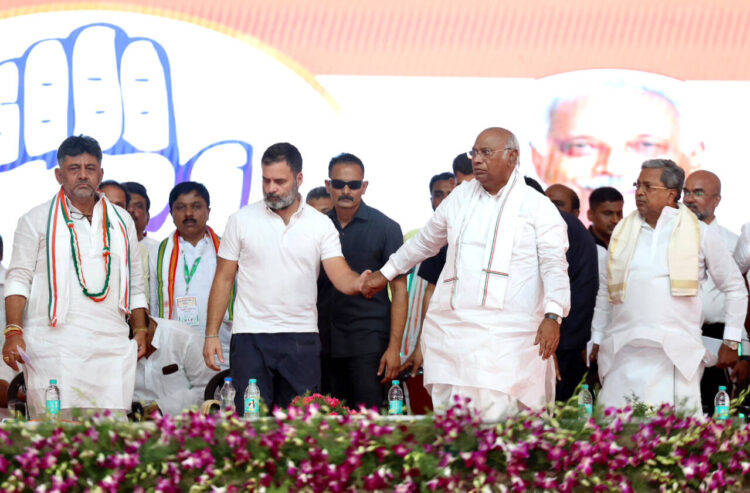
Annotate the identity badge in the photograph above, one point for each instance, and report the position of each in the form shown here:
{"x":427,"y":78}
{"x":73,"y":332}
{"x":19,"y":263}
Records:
{"x":187,"y":310}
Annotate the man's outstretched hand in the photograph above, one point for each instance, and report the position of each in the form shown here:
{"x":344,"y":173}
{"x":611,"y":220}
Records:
{"x":374,"y":283}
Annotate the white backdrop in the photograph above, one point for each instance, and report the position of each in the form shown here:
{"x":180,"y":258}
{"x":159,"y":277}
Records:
{"x":179,"y":101}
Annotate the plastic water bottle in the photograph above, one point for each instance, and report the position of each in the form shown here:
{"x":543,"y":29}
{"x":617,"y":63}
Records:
{"x":52,"y":396}
{"x":721,"y":404}
{"x":395,"y":399}
{"x":227,"y":394}
{"x":585,"y":402}
{"x":252,"y":400}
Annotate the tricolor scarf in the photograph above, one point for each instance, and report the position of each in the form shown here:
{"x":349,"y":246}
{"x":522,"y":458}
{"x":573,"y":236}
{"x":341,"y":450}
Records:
{"x":165,"y":292}
{"x":499,"y":248}
{"x":682,"y":254}
{"x":63,"y":244}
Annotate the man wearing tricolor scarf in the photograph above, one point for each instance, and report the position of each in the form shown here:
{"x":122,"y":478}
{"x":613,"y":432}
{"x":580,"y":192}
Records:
{"x":74,"y":278}
{"x":185,"y":263}
{"x":646,"y":330}
{"x":494,"y":320}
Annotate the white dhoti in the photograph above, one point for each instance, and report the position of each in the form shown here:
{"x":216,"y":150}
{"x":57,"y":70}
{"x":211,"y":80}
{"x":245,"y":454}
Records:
{"x":498,"y":367}
{"x":492,"y":405}
{"x":642,"y":370}
{"x":89,"y":355}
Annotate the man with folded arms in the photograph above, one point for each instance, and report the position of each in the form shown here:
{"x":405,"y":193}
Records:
{"x":74,"y":277}
{"x":494,"y":320}
{"x":647,"y":322}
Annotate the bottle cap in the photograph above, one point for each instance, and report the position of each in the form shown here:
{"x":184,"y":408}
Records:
{"x":252,"y":380}
{"x":585,"y":386}
{"x":395,"y":382}
{"x":53,"y":381}
{"x":228,"y":379}
{"x":722,"y":387}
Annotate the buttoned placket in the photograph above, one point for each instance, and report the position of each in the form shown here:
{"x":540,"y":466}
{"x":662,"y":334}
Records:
{"x":285,"y":228}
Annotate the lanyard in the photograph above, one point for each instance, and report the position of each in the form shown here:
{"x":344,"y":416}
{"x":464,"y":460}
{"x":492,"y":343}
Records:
{"x":189,"y":274}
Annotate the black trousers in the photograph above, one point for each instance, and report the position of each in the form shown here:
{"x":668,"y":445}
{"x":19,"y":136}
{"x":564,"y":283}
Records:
{"x":572,"y":369}
{"x":285,"y":365}
{"x":355,"y":380}
{"x":713,"y":377}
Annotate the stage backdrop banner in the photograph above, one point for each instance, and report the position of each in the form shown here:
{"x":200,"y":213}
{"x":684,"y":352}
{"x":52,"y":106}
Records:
{"x":177,"y":91}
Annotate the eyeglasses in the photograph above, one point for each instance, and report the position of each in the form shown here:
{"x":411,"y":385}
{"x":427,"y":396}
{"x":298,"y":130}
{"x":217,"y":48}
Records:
{"x":696,"y":193}
{"x":487,"y":152}
{"x":340,"y":184}
{"x":648,"y":187}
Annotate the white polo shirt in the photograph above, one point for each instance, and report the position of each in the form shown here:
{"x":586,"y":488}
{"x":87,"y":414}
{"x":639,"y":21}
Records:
{"x":278,"y":267}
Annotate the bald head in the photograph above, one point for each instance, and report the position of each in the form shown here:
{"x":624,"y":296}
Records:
{"x":702,"y":194}
{"x":494,"y":157}
{"x":503,"y":134}
{"x":564,"y":198}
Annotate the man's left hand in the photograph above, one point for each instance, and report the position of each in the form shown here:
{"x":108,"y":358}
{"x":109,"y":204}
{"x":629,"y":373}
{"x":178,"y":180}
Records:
{"x":140,"y":339}
{"x":547,"y":337}
{"x":728,"y":357}
{"x":390,"y":363}
{"x":414,"y":362}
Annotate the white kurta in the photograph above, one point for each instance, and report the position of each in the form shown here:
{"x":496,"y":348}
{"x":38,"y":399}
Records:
{"x":176,"y":344}
{"x":714,"y":298}
{"x":650,"y":345}
{"x":200,"y":287}
{"x":476,"y":346}
{"x":6,"y":372}
{"x":742,"y":250}
{"x":90,"y":354}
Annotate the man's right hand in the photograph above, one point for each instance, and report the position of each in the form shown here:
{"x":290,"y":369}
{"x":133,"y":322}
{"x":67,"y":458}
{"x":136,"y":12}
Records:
{"x":211,"y":349}
{"x":11,"y":355}
{"x":374,"y":283}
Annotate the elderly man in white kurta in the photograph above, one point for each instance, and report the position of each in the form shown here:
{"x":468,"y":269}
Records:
{"x":647,"y":323}
{"x":503,"y":291}
{"x":74,"y":276}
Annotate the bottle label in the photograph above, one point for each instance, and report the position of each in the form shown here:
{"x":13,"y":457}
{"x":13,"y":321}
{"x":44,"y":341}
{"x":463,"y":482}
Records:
{"x":586,"y":409}
{"x":252,"y":406}
{"x":722,"y":412}
{"x":396,"y":407}
{"x":53,"y":407}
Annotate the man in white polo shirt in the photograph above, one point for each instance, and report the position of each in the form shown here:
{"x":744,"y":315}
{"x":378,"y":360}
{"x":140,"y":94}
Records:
{"x":274,"y":248}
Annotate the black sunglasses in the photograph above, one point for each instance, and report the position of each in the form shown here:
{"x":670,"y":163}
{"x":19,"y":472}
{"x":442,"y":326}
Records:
{"x":353,"y":185}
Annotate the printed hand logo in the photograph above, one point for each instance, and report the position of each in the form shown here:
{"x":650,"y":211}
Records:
{"x":101,"y":82}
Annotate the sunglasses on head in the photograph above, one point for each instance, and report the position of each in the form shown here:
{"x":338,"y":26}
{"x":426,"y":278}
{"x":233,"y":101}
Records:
{"x":353,"y":185}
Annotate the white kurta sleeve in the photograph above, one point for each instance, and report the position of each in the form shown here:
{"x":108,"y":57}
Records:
{"x":551,"y":245}
{"x":23,"y":259}
{"x":153,"y":301}
{"x":197,"y":373}
{"x":425,"y":244}
{"x":603,"y":309}
{"x":138,"y":292}
{"x":742,"y":250}
{"x":728,"y":279}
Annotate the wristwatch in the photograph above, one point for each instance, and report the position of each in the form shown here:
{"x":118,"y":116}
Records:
{"x":553,"y":316}
{"x":733,"y":345}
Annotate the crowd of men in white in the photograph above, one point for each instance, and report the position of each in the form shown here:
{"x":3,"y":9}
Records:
{"x":115,"y":316}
